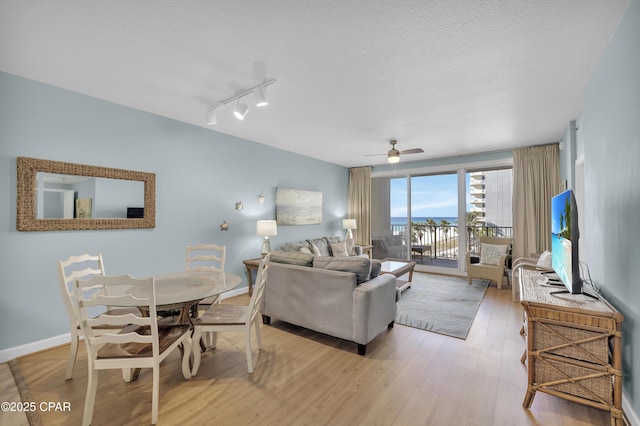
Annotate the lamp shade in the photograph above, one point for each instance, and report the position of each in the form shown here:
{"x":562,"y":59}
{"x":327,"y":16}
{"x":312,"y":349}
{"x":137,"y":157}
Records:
{"x":349,"y":224}
{"x":266,"y":228}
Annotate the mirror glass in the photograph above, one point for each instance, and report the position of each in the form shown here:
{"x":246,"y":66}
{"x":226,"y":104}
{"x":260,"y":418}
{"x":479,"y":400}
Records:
{"x":68,"y":197}
{"x":57,"y":196}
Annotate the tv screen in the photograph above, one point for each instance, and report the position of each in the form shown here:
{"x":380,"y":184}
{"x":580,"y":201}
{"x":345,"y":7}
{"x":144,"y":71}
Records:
{"x":564,"y":241}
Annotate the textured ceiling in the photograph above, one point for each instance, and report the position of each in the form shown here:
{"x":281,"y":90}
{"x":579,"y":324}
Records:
{"x":451,"y":77}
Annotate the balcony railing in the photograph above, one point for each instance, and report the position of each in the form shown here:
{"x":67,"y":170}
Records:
{"x":441,"y":242}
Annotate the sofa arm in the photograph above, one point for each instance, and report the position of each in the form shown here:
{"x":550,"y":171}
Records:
{"x":374,"y":307}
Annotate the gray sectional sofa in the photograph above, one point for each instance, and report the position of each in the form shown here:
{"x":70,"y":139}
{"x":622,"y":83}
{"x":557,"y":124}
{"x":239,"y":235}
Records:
{"x":344,"y":297}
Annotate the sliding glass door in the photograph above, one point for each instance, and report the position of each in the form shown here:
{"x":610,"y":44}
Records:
{"x":436,"y":218}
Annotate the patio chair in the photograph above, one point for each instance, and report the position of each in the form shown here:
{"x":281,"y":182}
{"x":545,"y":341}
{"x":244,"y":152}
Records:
{"x":494,"y":254}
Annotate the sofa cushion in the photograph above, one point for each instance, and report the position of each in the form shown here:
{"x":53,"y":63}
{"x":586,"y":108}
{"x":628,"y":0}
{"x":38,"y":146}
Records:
{"x":320,"y":246}
{"x":361,"y":266}
{"x":339,"y":249}
{"x":376,"y":267}
{"x":292,"y":258}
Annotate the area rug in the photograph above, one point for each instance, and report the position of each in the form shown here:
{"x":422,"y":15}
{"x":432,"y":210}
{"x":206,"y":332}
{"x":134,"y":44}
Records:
{"x":441,"y":304}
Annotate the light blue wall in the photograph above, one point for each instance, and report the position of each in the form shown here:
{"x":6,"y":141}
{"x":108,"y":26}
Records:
{"x":200,"y":175}
{"x":609,"y":135}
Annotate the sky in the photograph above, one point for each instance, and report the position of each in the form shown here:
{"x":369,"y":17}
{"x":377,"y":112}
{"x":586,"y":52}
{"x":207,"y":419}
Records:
{"x":432,"y":196}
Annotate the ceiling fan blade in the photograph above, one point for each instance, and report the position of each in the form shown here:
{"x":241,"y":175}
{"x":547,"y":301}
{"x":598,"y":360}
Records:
{"x":412,"y":151}
{"x":373,"y":155}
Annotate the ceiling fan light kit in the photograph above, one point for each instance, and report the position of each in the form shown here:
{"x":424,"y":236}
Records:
{"x":260,"y":92}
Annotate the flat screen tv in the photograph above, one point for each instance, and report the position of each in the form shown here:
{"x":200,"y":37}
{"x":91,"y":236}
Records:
{"x":564,"y":241}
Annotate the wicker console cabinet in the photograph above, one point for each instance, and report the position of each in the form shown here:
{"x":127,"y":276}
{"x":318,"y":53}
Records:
{"x":574,"y":347}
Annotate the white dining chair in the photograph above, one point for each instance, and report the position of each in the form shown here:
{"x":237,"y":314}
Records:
{"x":206,"y":258}
{"x":69,"y":270}
{"x":238,"y":318}
{"x":136,"y":343}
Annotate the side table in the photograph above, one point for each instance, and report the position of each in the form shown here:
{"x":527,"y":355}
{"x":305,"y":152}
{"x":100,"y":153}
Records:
{"x":251,"y":265}
{"x":366,"y":249}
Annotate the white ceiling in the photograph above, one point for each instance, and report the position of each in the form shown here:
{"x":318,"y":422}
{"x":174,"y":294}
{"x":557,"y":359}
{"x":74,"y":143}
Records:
{"x":451,"y":77}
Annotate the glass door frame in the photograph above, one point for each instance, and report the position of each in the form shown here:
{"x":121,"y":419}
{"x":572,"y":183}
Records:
{"x":461,"y":170}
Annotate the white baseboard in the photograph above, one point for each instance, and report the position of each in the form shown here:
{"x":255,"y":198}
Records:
{"x":41,"y":345}
{"x":29,"y":348}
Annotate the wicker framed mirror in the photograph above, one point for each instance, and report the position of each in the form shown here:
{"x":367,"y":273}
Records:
{"x":30,"y":172}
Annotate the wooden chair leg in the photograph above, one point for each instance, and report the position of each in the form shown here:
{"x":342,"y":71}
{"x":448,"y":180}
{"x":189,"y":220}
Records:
{"x":247,"y":344}
{"x":73,"y":354}
{"x":155,"y":394}
{"x":90,"y":399}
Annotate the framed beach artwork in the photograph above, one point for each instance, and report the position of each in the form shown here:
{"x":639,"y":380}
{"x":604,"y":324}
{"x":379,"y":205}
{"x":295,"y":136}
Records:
{"x":298,"y":207}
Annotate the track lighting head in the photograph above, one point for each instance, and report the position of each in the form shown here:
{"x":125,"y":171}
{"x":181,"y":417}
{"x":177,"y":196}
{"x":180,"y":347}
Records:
{"x":261,"y":96}
{"x":211,"y":116}
{"x":241,"y":110}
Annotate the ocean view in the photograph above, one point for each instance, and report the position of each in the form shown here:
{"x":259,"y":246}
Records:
{"x":403,"y":220}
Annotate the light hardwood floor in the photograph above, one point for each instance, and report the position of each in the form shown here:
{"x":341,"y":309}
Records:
{"x":409,"y":377}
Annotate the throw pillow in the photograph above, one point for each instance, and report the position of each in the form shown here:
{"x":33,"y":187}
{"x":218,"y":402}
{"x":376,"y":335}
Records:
{"x":339,"y":249}
{"x":305,"y":250}
{"x":351,"y":247}
{"x":320,"y":246}
{"x":361,"y":266}
{"x":544,"y":260}
{"x":491,"y":253}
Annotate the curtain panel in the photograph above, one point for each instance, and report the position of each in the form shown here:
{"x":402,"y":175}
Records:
{"x":536,"y":179}
{"x":359,"y":203}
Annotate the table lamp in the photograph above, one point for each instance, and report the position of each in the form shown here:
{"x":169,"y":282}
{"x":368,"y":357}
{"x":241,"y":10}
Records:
{"x":349,"y":224}
{"x":266,"y":229}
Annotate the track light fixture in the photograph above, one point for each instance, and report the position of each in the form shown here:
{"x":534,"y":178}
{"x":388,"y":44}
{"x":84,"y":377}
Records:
{"x":241,"y":108}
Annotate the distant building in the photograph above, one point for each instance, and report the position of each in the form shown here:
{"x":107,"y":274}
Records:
{"x":490,"y":199}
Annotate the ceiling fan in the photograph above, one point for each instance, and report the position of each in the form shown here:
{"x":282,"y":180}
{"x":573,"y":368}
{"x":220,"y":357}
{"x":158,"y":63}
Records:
{"x":393,"y":156}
